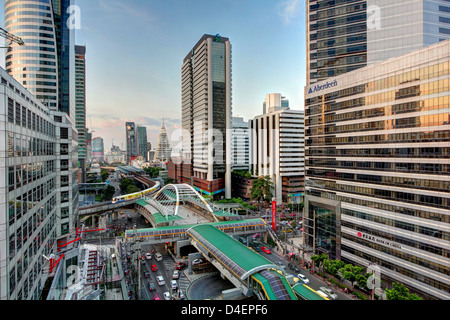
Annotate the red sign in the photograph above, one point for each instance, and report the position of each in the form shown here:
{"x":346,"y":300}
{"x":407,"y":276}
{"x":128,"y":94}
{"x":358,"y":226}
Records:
{"x":274,"y":215}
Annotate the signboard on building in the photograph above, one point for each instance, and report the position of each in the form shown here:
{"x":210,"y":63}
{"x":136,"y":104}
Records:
{"x":274,"y":214}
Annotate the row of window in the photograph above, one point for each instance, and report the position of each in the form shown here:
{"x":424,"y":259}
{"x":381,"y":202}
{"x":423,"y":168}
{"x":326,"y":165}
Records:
{"x":400,"y":208}
{"x":431,"y":136}
{"x":419,"y":277}
{"x":432,"y":152}
{"x":399,"y":224}
{"x":385,"y":83}
{"x":43,"y":244}
{"x":407,"y":107}
{"x":21,"y":175}
{"x":411,"y":122}
{"x":406,"y":197}
{"x":425,"y":184}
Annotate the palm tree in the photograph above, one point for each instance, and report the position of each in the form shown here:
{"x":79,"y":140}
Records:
{"x":262,"y":189}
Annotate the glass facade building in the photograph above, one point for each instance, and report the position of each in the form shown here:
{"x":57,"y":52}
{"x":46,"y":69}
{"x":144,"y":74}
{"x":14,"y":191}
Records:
{"x":378,"y":169}
{"x":29,"y":195}
{"x":206,"y":112}
{"x":45,"y":64}
{"x":80,"y":110}
{"x":344,"y":35}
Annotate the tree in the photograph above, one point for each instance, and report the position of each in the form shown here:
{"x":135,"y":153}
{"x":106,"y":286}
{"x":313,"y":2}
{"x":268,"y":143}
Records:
{"x":104,"y":174}
{"x":132,"y":189}
{"x":124,"y":185}
{"x":400,"y":292}
{"x":153,"y":172}
{"x":354,"y":274}
{"x":333,"y":266}
{"x":262,"y":189}
{"x":108,"y":193}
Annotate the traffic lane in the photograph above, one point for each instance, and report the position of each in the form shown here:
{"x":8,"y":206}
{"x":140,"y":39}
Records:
{"x":314,"y":282}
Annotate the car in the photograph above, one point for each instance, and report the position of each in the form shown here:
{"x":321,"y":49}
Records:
{"x":197,"y":261}
{"x":156,"y":297}
{"x":148,"y":256}
{"x":160,"y":280}
{"x":329,"y":293}
{"x":152,"y":286}
{"x":147,"y":275}
{"x":166,"y":295}
{"x":176,"y":274}
{"x":180,"y":265}
{"x":266,"y":250}
{"x":181,"y":295}
{"x":303,"y":278}
{"x":158,"y":256}
{"x":280,"y":264}
{"x":174,"y":284}
{"x":154,"y":268}
{"x":293,"y":267}
{"x":257,"y":249}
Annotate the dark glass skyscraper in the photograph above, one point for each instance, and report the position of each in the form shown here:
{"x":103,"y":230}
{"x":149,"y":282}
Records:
{"x":45,"y":65}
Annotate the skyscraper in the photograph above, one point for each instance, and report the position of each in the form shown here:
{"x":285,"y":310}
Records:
{"x":130,"y":128}
{"x":205,"y":114}
{"x":346,"y":35}
{"x":240,"y":144}
{"x":45,"y":65}
{"x":142,"y":141}
{"x":162,"y":151}
{"x":80,"y":109}
{"x":378,"y":169}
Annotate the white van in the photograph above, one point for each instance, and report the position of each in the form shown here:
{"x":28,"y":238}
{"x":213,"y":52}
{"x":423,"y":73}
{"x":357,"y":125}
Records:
{"x":158,"y":256}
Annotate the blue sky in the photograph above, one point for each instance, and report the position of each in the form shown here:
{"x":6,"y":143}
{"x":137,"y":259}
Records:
{"x":135,"y":49}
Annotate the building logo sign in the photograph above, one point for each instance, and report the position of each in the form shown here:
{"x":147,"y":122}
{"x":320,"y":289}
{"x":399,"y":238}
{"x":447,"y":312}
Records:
{"x":378,"y":240}
{"x":327,"y":85}
{"x":218,"y":38}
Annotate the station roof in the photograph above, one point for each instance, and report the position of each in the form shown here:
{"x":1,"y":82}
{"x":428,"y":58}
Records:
{"x":238,"y":258}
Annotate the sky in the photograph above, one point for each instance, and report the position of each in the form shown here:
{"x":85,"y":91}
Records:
{"x":135,"y":50}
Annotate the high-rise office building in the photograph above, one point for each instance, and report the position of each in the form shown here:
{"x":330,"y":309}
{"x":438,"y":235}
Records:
{"x":98,"y":149}
{"x":378,"y":169}
{"x":142,"y":141}
{"x":346,"y":35}
{"x":240,"y":144}
{"x":275,"y":102}
{"x":80,"y":107}
{"x":131,"y":135}
{"x":277,"y":151}
{"x":206,"y":116}
{"x":45,"y":64}
{"x":39,"y":191}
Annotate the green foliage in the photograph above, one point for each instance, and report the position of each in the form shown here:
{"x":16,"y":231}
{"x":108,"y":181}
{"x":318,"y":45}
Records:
{"x":333,"y":266}
{"x":262,"y":189}
{"x":318,"y":259}
{"x":108,"y":193}
{"x":354,"y":274}
{"x":124,"y":184}
{"x":104,"y":174}
{"x":132,"y":189}
{"x":153,"y":172}
{"x":242,"y":173}
{"x":400,"y":292}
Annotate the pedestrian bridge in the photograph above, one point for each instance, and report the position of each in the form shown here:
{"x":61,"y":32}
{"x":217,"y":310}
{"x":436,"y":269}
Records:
{"x":245,"y":268}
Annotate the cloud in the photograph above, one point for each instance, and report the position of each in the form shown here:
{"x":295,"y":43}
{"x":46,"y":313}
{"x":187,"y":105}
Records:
{"x":289,"y":9}
{"x":127,"y":8}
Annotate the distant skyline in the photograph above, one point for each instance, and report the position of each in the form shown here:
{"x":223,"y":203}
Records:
{"x":135,"y":50}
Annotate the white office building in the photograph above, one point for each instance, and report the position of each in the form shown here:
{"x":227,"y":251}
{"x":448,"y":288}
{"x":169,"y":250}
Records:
{"x":277,"y":150}
{"x":240,"y":144}
{"x":38,"y":189}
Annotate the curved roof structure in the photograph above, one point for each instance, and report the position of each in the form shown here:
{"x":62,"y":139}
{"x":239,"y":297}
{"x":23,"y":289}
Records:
{"x":235,"y":256}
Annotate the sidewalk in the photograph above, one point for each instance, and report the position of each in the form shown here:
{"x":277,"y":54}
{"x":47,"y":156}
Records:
{"x":307,"y":256}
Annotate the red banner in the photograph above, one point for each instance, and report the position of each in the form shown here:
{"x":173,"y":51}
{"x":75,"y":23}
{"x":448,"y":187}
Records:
{"x":274,"y":215}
